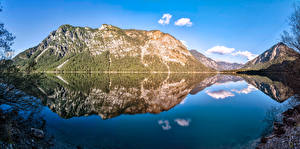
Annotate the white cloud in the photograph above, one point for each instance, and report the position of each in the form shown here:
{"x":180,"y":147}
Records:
{"x":220,"y":50}
{"x":247,"y":90}
{"x":184,"y":22}
{"x":221,"y":94}
{"x":165,"y":124}
{"x":183,"y":122}
{"x":165,"y":19}
{"x":247,"y":54}
{"x":184,"y":43}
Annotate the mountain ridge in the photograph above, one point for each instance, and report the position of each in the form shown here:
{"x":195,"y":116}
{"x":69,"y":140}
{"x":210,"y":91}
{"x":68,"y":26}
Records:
{"x":217,"y":65}
{"x":277,"y":54}
{"x":109,"y":48}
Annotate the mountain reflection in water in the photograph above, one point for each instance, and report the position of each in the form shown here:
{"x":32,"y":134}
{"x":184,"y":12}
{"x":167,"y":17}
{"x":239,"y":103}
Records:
{"x":196,"y":110}
{"x":110,"y":95}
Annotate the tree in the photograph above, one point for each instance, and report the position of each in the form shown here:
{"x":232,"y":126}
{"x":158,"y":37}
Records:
{"x":6,"y":41}
{"x":292,"y":38}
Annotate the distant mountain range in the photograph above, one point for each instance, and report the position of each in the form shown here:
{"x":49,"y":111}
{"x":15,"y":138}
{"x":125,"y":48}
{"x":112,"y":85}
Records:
{"x":217,"y":65}
{"x":109,"y":48}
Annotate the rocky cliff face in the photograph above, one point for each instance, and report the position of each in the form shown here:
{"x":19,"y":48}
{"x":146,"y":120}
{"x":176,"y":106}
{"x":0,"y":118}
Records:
{"x":277,"y":54}
{"x":109,"y":48}
{"x":208,"y":62}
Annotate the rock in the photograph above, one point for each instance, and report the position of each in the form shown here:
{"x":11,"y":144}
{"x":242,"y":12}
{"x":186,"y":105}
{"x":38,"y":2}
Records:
{"x":264,"y":140}
{"x":290,"y":121}
{"x":278,"y":128}
{"x":277,"y":125}
{"x":279,"y":131}
{"x":285,"y":135}
{"x":37,"y":133}
{"x":288,"y":113}
{"x":297,"y":108}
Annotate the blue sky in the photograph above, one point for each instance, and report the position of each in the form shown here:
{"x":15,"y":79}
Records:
{"x":228,"y":30}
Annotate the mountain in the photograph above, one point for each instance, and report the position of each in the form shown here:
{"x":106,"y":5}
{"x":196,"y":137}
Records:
{"x":217,"y":65}
{"x":109,"y":48}
{"x":228,"y":66}
{"x":208,"y":62}
{"x":276,"y":55}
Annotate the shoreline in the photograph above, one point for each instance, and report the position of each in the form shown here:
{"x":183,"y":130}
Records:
{"x":125,"y":72}
{"x":285,"y":134}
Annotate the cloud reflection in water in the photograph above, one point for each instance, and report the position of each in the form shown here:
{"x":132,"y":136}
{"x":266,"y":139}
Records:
{"x":183,"y":122}
{"x":165,"y":124}
{"x":220,"y":94}
{"x":247,"y":90}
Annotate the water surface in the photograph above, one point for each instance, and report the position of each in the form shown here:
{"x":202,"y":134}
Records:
{"x":160,"y":110}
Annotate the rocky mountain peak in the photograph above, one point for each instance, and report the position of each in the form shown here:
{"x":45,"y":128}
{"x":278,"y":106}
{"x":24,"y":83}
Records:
{"x":276,"y":54}
{"x":108,"y":27}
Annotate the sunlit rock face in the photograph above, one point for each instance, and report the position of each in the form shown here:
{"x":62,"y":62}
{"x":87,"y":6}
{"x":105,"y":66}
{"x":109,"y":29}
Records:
{"x":217,"y":79}
{"x":276,"y":90}
{"x":109,"y":48}
{"x":147,"y":95}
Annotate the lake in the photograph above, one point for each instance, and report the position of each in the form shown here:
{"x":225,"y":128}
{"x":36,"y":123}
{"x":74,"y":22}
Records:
{"x":179,"y":111}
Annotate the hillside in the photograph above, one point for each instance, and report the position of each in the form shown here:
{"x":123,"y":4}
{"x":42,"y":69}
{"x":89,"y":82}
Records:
{"x":109,"y":48}
{"x":217,"y":65}
{"x":276,"y":55}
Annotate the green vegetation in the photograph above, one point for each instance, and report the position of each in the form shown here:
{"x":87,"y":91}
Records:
{"x":127,"y":63}
{"x":190,"y":66}
{"x":85,"y":62}
{"x":155,"y":63}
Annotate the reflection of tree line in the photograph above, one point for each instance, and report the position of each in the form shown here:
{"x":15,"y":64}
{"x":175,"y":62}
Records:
{"x":275,"y":89}
{"x":279,"y":86}
{"x":110,"y":95}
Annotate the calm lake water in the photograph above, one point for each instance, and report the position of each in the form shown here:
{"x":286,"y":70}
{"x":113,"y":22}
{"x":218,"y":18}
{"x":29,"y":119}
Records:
{"x":178,"y":111}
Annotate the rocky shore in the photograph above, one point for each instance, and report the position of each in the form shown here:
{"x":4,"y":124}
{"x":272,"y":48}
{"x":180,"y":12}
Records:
{"x":18,"y":132}
{"x":286,"y":134}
